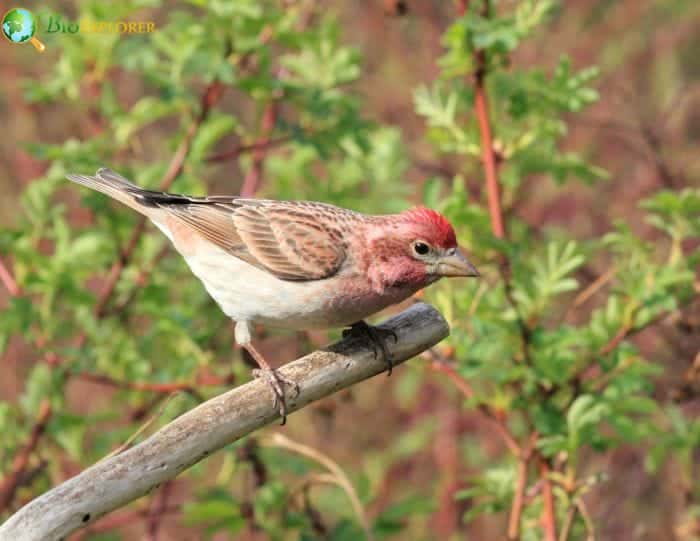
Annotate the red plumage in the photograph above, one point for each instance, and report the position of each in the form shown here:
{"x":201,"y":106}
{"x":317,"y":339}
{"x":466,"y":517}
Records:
{"x":438,"y":230}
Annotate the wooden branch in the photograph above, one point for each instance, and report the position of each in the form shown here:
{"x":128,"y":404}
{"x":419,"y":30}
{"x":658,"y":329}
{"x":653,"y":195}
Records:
{"x":120,"y":479}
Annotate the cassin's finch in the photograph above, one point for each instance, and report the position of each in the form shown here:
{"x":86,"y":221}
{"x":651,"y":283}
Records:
{"x":296,"y":264}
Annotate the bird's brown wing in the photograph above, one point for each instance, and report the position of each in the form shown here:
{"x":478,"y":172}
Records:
{"x":291,"y":240}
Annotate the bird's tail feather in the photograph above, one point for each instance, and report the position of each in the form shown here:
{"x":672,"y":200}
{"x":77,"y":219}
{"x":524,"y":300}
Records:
{"x":112,"y":184}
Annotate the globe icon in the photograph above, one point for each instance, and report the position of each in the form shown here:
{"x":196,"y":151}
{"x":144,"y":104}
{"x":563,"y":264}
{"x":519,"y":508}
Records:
{"x":19,"y":26}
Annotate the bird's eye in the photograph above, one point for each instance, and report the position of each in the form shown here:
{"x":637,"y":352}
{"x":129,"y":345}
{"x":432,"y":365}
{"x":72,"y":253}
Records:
{"x":421,"y":248}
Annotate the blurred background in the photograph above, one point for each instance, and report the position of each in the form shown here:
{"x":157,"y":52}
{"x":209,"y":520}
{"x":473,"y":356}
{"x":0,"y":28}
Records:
{"x":368,"y":104}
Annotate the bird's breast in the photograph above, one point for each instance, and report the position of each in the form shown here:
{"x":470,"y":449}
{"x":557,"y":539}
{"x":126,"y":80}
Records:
{"x":247,"y":293}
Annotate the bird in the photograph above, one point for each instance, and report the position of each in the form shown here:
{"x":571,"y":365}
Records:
{"x":297,"y":265}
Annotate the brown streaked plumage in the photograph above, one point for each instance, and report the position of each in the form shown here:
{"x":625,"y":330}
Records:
{"x":296,"y":264}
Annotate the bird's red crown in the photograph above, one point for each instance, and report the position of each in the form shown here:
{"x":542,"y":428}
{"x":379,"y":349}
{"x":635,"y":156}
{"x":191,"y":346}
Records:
{"x":434,"y":226}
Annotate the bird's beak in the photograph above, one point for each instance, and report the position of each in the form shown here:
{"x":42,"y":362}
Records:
{"x":456,"y":264}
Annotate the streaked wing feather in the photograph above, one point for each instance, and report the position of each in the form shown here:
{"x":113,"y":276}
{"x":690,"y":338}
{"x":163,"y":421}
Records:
{"x":285,"y":239}
{"x":211,"y":223}
{"x":289,"y":242}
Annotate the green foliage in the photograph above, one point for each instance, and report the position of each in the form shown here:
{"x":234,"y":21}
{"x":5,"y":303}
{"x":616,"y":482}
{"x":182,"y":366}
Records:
{"x":258,"y":52}
{"x":571,"y":386}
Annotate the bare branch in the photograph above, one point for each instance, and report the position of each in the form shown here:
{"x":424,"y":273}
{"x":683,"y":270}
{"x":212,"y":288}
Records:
{"x":118,"y":480}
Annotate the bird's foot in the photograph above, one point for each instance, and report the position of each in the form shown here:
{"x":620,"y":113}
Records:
{"x":378,"y":337}
{"x":276,"y":382}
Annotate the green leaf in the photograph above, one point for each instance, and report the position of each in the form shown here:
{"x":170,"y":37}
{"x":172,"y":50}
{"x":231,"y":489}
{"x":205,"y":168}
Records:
{"x":675,"y":212}
{"x":216,"y":127}
{"x":216,"y":510}
{"x":38,"y":386}
{"x":586,"y":412}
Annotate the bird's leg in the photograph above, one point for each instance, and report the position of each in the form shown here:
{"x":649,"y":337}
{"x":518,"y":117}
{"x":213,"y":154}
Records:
{"x":274,"y":379}
{"x":378,"y":337}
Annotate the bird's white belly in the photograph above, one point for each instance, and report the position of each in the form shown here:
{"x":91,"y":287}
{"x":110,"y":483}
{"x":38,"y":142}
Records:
{"x":246,"y":293}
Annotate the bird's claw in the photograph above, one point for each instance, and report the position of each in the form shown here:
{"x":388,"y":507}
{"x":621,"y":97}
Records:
{"x":276,"y":382}
{"x":378,"y":337}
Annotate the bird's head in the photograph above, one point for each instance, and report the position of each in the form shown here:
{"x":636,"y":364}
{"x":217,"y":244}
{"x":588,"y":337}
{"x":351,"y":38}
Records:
{"x":417,"y":248}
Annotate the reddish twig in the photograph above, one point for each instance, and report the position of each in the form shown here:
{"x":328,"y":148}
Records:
{"x":463,"y":385}
{"x":490,"y":162}
{"x":489,"y":159}
{"x":9,"y":281}
{"x":112,"y":522}
{"x":163,"y":388}
{"x":548,"y":515}
{"x":267,"y":124}
{"x":568,"y":522}
{"x":591,"y":290}
{"x":627,"y":330}
{"x":252,"y":180}
{"x":157,"y":512}
{"x":115,"y":273}
{"x":14,"y":479}
{"x":488,"y":155}
{"x":260,"y":145}
{"x":615,"y":341}
{"x":462,"y":6}
{"x":516,"y":508}
{"x":446,"y":452}
{"x":211,"y":96}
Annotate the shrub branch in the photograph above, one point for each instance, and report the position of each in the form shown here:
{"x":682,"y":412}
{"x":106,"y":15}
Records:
{"x":14,"y":479}
{"x":120,"y":479}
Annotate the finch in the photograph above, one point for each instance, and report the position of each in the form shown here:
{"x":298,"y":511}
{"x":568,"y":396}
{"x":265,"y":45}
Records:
{"x":296,"y":264}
